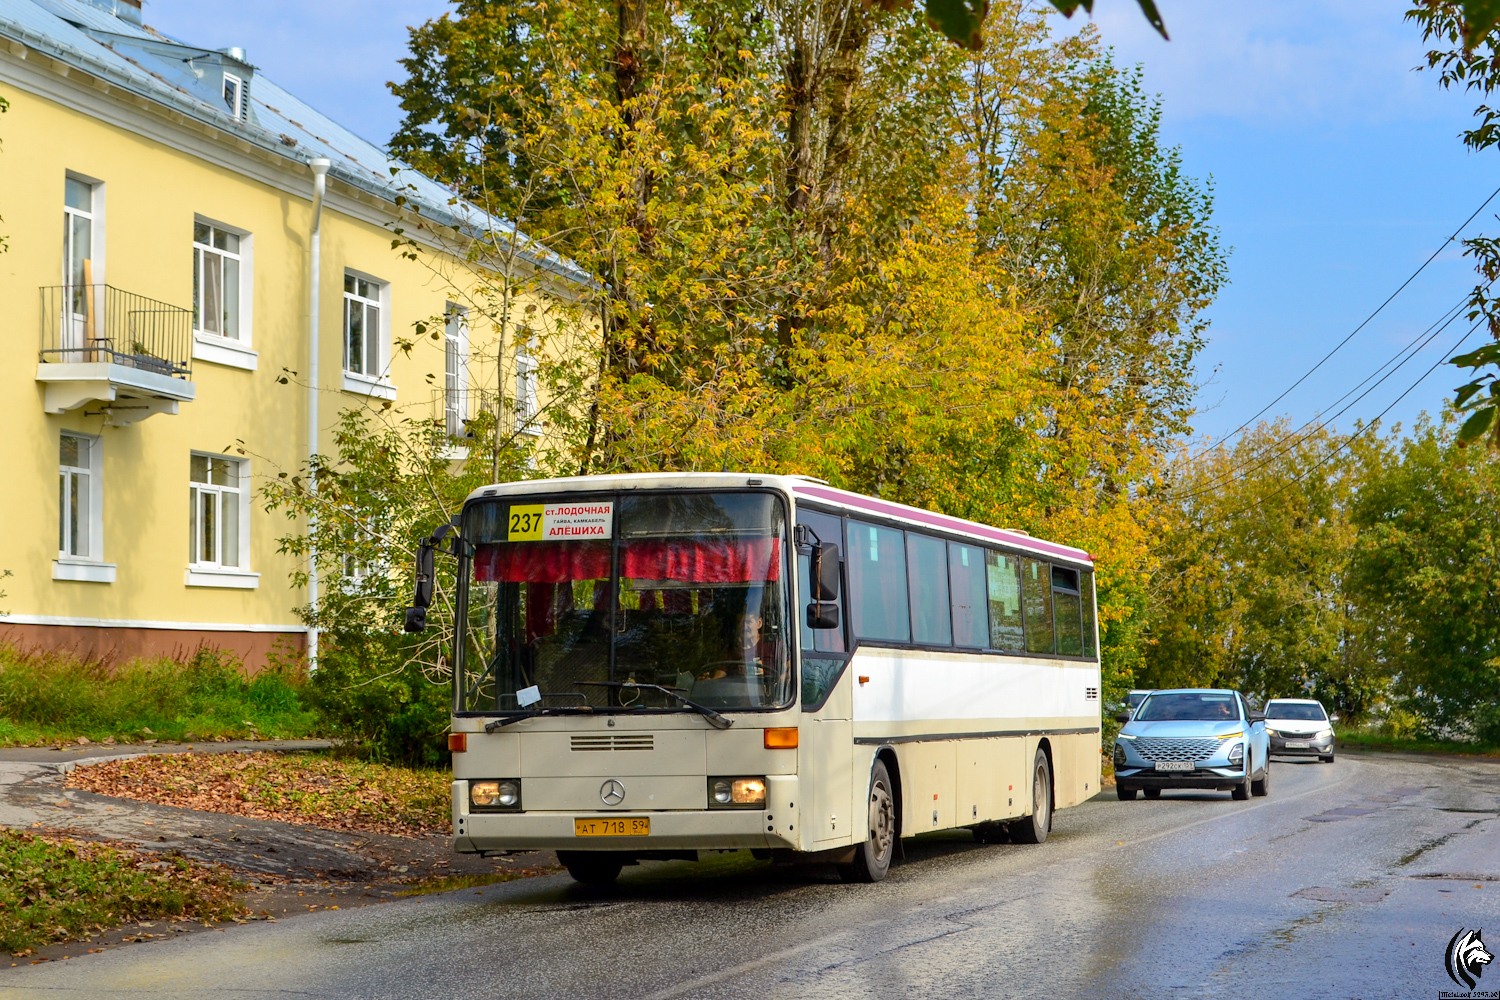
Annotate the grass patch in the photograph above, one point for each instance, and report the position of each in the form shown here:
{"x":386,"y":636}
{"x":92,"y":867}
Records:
{"x":59,"y":890}
{"x":1382,"y":739}
{"x":315,"y":789}
{"x":51,"y":699}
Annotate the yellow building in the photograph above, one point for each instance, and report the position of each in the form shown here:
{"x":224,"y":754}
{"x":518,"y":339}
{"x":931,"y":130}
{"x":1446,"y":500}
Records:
{"x":199,"y":276}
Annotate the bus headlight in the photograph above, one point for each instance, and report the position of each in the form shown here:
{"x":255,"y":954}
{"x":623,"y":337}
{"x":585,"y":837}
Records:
{"x":736,"y":793}
{"x":495,"y":795}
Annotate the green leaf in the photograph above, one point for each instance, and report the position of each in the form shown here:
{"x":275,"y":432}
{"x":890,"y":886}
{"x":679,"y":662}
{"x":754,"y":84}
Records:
{"x":1480,"y":18}
{"x":1474,"y":428}
{"x":1148,"y":7}
{"x":1486,"y":355}
{"x":960,"y":20}
{"x":1465,"y":393}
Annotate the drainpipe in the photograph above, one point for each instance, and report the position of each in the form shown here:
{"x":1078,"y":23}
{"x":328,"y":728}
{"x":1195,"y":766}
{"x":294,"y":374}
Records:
{"x":319,"y":165}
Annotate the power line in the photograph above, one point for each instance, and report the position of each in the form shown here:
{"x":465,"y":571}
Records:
{"x":1356,"y":330}
{"x":1306,"y":430}
{"x":1350,"y":439}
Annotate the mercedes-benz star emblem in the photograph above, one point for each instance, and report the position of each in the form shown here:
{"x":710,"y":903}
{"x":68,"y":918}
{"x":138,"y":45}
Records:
{"x":612,"y":792}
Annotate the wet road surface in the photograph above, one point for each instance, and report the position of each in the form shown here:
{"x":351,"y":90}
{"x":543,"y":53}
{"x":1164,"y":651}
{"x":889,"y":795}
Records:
{"x":1349,"y":880}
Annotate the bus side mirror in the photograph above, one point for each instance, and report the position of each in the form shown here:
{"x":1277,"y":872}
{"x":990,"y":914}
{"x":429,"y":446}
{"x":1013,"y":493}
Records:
{"x":825,"y":573}
{"x":416,"y":615}
{"x":823,"y":614}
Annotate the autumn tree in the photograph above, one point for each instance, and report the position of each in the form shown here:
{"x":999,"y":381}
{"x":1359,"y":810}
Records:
{"x":1255,"y":593}
{"x":822,"y":254}
{"x":1425,"y":569}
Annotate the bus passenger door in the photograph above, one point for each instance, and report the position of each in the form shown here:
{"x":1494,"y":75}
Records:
{"x":825,"y":761}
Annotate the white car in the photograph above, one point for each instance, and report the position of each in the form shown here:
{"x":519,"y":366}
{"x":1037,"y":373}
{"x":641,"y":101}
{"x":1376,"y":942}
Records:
{"x":1301,"y":727}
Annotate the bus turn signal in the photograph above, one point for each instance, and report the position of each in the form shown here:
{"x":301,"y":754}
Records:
{"x":781,"y":739}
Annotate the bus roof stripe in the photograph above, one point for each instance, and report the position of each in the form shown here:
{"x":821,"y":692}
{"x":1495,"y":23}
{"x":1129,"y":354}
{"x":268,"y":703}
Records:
{"x":856,"y":501}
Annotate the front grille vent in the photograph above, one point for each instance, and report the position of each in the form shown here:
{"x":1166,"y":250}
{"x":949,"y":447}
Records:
{"x":1091,"y":694}
{"x":1160,"y":748}
{"x":614,"y":741}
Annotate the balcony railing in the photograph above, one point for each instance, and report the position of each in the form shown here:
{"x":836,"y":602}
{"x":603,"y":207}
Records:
{"x":89,"y":324}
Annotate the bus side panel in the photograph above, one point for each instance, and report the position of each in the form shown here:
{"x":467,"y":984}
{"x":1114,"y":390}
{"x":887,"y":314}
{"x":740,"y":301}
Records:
{"x":929,"y":787}
{"x":1076,"y":762}
{"x":825,"y":762}
{"x":991,"y":780}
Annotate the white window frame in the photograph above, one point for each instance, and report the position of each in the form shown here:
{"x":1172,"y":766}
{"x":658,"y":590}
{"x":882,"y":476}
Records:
{"x":528,"y":410}
{"x":218,"y":348}
{"x":372,"y":377}
{"x":215,"y":572}
{"x":87,"y":482}
{"x":235,"y":105}
{"x":455,"y":370}
{"x":75,"y":324}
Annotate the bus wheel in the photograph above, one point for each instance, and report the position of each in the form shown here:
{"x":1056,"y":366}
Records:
{"x":872,"y":859}
{"x":1033,"y":829}
{"x":591,"y":867}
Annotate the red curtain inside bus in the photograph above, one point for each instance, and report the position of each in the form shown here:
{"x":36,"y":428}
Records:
{"x":753,"y":560}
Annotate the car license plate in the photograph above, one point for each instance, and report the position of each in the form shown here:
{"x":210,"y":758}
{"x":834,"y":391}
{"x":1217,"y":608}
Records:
{"x":615,"y":826}
{"x":1297,"y":744}
{"x":1174,"y":765}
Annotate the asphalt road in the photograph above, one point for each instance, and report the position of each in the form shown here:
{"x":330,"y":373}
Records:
{"x":1349,"y":880}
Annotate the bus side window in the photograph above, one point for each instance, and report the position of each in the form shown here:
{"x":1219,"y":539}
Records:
{"x":876,"y":559}
{"x":1067,"y":611}
{"x":829,"y":532}
{"x":1086,"y":588}
{"x":966,"y":582}
{"x":1002,"y":573}
{"x":931,"y":612}
{"x":1036,"y":600}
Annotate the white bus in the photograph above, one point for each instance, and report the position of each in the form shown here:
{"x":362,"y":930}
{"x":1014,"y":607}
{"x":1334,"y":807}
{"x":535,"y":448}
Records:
{"x":656,"y":666}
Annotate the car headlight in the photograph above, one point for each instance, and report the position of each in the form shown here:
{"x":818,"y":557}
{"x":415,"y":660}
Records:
{"x":737,"y":793}
{"x":1273,"y":732}
{"x":495,"y":795}
{"x":1237,"y":753}
{"x":1119,"y":756}
{"x":1324,"y":734}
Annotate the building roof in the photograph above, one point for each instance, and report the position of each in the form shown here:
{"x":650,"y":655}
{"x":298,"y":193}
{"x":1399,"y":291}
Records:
{"x":106,"y":39}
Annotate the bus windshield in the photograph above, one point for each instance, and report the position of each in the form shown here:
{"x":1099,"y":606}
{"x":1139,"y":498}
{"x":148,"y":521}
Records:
{"x":597,"y":604}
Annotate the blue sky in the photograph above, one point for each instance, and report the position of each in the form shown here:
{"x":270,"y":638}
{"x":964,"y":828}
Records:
{"x":1337,"y":170}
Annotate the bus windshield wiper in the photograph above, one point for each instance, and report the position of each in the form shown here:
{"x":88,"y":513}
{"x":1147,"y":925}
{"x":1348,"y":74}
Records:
{"x":714,"y":718}
{"x":523,"y":715}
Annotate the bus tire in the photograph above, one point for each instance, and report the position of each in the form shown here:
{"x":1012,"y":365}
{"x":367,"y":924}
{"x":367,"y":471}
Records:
{"x":591,"y":867}
{"x":1033,"y":829}
{"x":872,"y":859}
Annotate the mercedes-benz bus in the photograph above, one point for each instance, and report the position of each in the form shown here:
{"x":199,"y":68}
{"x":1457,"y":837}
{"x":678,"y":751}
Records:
{"x":657,"y":666}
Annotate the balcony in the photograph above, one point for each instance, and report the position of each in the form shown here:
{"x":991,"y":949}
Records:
{"x":123,"y":353}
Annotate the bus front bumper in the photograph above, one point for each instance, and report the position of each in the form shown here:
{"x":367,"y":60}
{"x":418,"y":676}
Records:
{"x":774,"y":827}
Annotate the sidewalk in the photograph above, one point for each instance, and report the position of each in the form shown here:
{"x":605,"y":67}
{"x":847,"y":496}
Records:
{"x":33,"y":797}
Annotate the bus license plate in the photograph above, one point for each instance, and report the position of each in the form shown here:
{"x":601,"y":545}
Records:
{"x":1174,"y":765}
{"x":621,"y":826}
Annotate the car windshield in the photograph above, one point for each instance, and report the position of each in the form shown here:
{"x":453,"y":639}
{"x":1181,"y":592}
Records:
{"x":1296,"y":711}
{"x":574,"y":603}
{"x":1188,"y":706}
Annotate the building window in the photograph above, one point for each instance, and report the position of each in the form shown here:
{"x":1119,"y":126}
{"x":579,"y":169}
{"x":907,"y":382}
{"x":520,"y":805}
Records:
{"x":364,"y":314}
{"x":217,"y":270}
{"x":234,"y":96}
{"x":218,"y":521}
{"x":527,"y":409}
{"x":81,"y":271}
{"x":80,"y":511}
{"x":77,"y":533}
{"x":455,"y":370}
